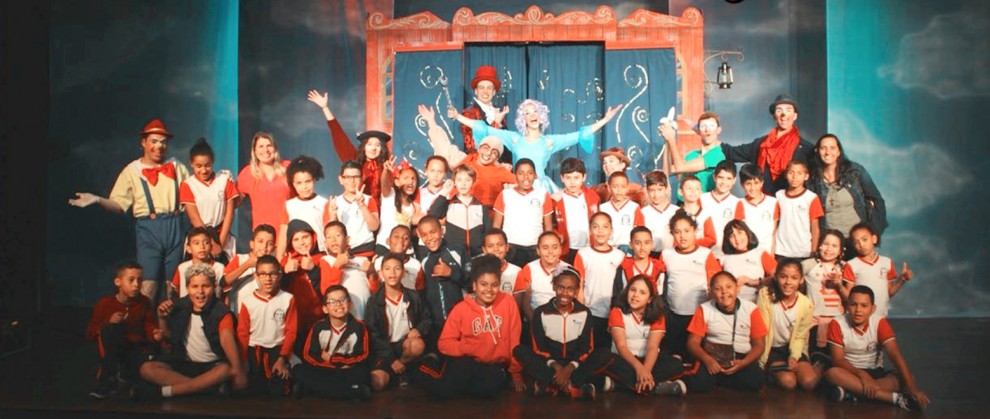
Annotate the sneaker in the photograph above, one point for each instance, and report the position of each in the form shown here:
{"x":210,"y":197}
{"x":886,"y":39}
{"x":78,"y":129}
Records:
{"x":142,"y":391}
{"x":297,"y":390}
{"x":104,"y":389}
{"x":122,"y":378}
{"x":361,"y":392}
{"x":906,"y":402}
{"x":670,"y":388}
{"x":588,"y":392}
{"x":839,"y":394}
{"x":403,"y":381}
{"x":609,"y":385}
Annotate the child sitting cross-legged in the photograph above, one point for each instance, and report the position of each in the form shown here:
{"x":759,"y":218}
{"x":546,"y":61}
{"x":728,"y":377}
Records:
{"x":204,"y":353}
{"x":477,"y":340}
{"x":563,"y":358}
{"x":335,"y":355}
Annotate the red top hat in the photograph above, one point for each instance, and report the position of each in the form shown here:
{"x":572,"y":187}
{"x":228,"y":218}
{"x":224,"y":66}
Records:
{"x":483,"y":73}
{"x":156,"y":126}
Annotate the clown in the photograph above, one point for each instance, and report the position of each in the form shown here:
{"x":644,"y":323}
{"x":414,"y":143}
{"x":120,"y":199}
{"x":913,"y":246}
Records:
{"x":530,"y":141}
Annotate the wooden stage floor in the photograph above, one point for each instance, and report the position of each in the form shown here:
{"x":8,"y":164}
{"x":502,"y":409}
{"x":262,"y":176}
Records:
{"x":53,"y":380}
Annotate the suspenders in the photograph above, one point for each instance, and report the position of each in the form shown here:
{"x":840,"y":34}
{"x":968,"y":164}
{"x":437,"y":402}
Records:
{"x":151,"y":205}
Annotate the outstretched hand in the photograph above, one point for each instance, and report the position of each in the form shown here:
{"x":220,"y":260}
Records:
{"x":611,"y":111}
{"x":500,"y":115}
{"x":84,"y":199}
{"x":452,"y":113}
{"x":320,"y":100}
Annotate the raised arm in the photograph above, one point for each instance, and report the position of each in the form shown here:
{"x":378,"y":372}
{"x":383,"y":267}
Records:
{"x":341,"y":142}
{"x":609,"y":114}
{"x":677,"y":162}
{"x":439,"y":140}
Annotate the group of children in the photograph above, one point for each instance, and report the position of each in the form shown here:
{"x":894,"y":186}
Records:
{"x":447,"y":288}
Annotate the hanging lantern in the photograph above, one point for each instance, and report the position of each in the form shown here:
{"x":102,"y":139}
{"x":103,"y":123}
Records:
{"x":724,"y":76}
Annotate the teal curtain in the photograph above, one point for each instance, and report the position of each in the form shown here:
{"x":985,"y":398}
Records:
{"x":644,"y":82}
{"x":568,"y":79}
{"x":417,"y":81}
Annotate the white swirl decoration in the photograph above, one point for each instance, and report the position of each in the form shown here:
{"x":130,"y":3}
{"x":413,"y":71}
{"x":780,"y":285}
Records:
{"x":636,"y":77}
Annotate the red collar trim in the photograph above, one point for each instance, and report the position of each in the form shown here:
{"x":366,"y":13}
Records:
{"x":756,"y":204}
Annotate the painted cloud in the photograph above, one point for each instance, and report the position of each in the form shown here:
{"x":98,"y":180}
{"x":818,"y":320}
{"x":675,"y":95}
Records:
{"x":905,"y":195}
{"x":948,"y":58}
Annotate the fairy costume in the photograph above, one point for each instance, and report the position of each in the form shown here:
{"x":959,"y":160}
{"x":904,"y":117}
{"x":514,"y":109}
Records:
{"x":538,"y":151}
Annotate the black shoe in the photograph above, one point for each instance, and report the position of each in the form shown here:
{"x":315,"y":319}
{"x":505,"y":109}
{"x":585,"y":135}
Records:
{"x":839,"y":394}
{"x":403,"y":381}
{"x":144,"y":392}
{"x":588,"y":392}
{"x":298,"y":391}
{"x":104,"y":389}
{"x":907,"y":402}
{"x":361,"y":392}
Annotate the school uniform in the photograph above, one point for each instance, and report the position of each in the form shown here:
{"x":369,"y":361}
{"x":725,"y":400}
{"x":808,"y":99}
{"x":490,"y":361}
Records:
{"x":359,"y":284}
{"x":523,"y":213}
{"x":536,"y":279}
{"x":720,"y":211}
{"x":796,"y":215}
{"x":426,"y":198}
{"x":862,"y":346}
{"x":121,"y":346}
{"x":360,"y":238}
{"x":211,"y":199}
{"x":685,"y":289}
{"x":572,"y":213}
{"x":827,"y":303}
{"x":410,"y":270}
{"x":738,"y":329}
{"x":347,"y":372}
{"x":564,"y":338}
{"x":705,"y":233}
{"x":875,"y":274}
{"x":245,"y":285}
{"x":761,"y":217}
{"x":313,"y":211}
{"x":787,"y":328}
{"x":507,"y":281}
{"x":658,"y":221}
{"x":152,"y":196}
{"x":389,"y":322}
{"x":598,"y":270}
{"x":628,"y":270}
{"x":637,"y":333}
{"x":476,"y":344}
{"x":302,"y":284}
{"x":624,"y":218}
{"x":465,"y":225}
{"x":755,"y":263}
{"x":195,"y":337}
{"x":266,"y":330}
{"x":441,"y":294}
{"x":178,"y":283}
{"x":389,"y":219}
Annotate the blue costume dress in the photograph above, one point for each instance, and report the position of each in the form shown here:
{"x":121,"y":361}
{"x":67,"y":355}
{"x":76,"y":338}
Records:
{"x":538,"y":151}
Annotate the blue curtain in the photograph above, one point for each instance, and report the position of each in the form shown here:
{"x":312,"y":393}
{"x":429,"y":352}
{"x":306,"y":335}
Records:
{"x":568,"y":79}
{"x":644,"y":82}
{"x":509,"y":60}
{"x":417,"y":81}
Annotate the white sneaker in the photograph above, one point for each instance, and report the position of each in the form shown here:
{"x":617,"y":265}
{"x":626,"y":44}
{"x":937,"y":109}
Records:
{"x":609,"y":385}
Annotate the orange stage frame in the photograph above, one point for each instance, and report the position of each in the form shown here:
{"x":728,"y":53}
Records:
{"x":641,"y":29}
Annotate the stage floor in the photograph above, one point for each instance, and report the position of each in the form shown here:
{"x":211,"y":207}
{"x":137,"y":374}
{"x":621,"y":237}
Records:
{"x":948,"y":356}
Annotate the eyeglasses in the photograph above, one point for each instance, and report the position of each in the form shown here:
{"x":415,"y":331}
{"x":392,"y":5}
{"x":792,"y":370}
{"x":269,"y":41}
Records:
{"x":491,"y":151}
{"x":335,"y":302}
{"x":267,"y":274}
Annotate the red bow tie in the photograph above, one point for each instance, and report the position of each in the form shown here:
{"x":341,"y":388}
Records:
{"x":152,"y":174}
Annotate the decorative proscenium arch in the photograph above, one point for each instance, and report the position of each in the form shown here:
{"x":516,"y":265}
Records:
{"x":641,"y":29}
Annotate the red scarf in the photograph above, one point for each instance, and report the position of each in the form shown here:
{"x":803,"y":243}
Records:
{"x":776,"y":152}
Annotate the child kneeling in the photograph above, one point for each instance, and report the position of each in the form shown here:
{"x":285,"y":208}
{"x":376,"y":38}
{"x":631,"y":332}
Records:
{"x":477,"y":340}
{"x":335,"y":356}
{"x":563,"y":360}
{"x":204,"y":348}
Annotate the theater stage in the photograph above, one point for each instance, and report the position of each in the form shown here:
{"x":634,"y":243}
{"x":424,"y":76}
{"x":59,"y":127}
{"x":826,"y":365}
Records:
{"x":948,"y":356}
